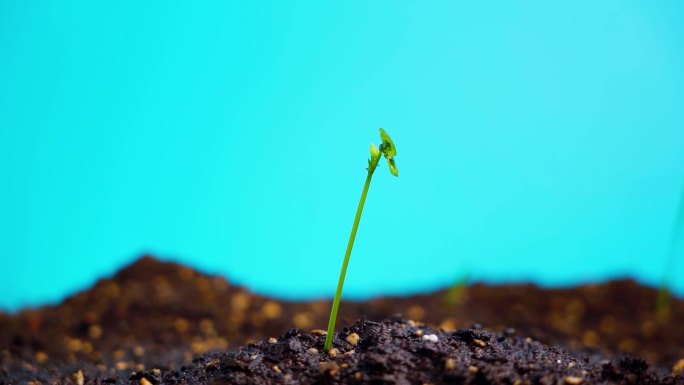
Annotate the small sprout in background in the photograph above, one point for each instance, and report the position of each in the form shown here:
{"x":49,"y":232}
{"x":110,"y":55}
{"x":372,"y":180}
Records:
{"x":388,"y":150}
{"x":662,"y":310}
{"x":455,"y":295}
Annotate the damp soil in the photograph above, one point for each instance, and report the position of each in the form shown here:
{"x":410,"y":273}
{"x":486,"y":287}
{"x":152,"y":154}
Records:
{"x":394,"y":352}
{"x":158,"y":317}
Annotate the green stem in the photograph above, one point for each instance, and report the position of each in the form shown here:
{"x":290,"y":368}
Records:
{"x":347,"y":254}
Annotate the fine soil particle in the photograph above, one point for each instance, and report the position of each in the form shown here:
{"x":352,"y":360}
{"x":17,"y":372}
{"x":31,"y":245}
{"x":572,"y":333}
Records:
{"x":161,"y":315}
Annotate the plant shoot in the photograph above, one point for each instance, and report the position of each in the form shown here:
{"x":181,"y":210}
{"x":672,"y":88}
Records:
{"x":388,"y":150}
{"x":676,"y":243}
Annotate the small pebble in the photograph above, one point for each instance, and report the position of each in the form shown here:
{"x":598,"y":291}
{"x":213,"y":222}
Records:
{"x":319,"y":332}
{"x":572,"y":380}
{"x":448,"y":325}
{"x":479,"y":343}
{"x":678,"y":367}
{"x":302,"y":320}
{"x":74,"y":344}
{"x":144,"y":381}
{"x":138,"y":351}
{"x":415,"y":312}
{"x":271,"y":310}
{"x":333,"y":352}
{"x":181,"y":325}
{"x":450,"y":364}
{"x":119,"y":354}
{"x":430,"y":338}
{"x":329,"y":367}
{"x":473,"y":369}
{"x":41,"y":357}
{"x":87,"y":347}
{"x":95,"y":332}
{"x":415,"y":324}
{"x":272,"y":340}
{"x":353,"y":339}
{"x":313,"y":350}
{"x":591,"y":338}
{"x":78,"y":377}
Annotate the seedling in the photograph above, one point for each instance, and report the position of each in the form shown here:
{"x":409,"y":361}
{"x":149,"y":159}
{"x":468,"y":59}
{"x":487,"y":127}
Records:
{"x":677,"y":241}
{"x":388,"y":150}
{"x":455,"y":295}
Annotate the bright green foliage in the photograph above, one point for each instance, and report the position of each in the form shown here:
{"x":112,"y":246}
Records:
{"x":455,"y":294}
{"x":392,"y":166}
{"x":388,"y":149}
{"x":387,"y":146}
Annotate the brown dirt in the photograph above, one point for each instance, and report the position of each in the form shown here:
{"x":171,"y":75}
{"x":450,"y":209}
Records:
{"x":392,"y":352}
{"x":161,"y":315}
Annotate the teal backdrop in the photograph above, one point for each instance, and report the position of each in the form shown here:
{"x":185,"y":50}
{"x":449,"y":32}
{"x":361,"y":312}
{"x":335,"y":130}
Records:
{"x":537,"y":141}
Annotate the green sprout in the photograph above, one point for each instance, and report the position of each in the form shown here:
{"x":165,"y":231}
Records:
{"x":388,"y":150}
{"x":455,"y":295}
{"x":664,"y":297}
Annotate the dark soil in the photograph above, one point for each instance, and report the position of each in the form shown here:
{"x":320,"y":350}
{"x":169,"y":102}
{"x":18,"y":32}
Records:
{"x":155,"y":315}
{"x":400,"y":352}
{"x":395,"y":352}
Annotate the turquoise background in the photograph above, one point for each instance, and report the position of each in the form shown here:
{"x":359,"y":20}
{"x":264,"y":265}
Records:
{"x":536,"y":140}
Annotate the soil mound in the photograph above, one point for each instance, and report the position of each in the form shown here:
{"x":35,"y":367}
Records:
{"x":161,"y":315}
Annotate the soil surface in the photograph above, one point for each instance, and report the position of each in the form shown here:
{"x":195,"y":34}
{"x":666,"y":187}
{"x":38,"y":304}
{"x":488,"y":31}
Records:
{"x":159,"y":315}
{"x":393,"y":352}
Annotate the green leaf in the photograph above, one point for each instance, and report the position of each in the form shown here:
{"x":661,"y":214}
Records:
{"x":387,"y":147}
{"x":392,"y":166}
{"x":375,"y":153}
